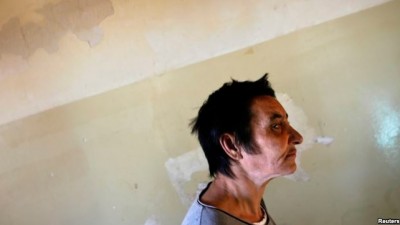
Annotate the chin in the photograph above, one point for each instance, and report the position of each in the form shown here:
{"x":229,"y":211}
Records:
{"x":294,"y":169}
{"x":291,"y":169}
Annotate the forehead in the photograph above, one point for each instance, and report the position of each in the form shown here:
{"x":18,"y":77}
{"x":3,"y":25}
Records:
{"x":267,"y":107}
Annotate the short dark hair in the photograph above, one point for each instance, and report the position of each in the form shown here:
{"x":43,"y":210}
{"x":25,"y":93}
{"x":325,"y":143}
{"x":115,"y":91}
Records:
{"x":228,"y":110}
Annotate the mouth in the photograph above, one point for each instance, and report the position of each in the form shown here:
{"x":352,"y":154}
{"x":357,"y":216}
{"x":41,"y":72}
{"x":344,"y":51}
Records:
{"x":292,"y":153}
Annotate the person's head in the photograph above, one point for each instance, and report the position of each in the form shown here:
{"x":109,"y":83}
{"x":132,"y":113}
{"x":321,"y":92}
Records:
{"x":233,"y":123}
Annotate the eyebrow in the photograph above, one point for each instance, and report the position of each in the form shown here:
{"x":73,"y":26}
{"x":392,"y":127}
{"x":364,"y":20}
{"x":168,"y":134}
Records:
{"x":277,"y":115}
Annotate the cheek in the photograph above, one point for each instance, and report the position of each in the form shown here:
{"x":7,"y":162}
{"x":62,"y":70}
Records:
{"x":278,"y":145}
{"x":273,"y":148}
{"x":278,"y":151}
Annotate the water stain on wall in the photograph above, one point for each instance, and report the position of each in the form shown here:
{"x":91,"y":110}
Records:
{"x":80,"y":17}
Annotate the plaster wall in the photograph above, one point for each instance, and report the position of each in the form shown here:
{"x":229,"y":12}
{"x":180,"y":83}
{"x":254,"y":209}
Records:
{"x":53,"y":52}
{"x":102,"y":159}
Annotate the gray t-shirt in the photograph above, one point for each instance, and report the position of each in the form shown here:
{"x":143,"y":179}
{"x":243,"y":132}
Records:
{"x":202,"y":214}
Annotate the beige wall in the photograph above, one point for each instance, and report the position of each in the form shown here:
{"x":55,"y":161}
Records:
{"x":53,"y":52}
{"x":102,"y":160}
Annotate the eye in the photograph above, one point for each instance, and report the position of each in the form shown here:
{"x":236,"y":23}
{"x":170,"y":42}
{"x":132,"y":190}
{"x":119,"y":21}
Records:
{"x":276,"y":126}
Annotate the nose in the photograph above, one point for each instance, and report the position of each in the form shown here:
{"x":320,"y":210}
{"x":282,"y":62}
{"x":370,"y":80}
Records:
{"x":296,"y":137}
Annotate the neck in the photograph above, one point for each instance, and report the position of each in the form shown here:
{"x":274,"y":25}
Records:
{"x":244,"y":191}
{"x":238,"y":196}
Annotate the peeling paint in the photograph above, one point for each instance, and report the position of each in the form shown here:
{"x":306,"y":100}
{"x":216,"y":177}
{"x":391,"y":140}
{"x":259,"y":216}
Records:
{"x":168,"y":35}
{"x":152,"y":220}
{"x":92,"y":36}
{"x":81,"y":17}
{"x":324,"y":140}
{"x":181,"y":168}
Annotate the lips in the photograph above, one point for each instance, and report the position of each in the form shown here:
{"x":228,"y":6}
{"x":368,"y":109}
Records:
{"x":292,"y":153}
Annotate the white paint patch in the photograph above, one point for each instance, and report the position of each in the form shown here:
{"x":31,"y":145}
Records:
{"x":299,"y":121}
{"x":323,"y":140}
{"x":152,"y":221}
{"x":181,"y":168}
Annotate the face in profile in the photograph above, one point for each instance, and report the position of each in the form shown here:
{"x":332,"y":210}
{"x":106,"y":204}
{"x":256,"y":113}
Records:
{"x":273,"y":139}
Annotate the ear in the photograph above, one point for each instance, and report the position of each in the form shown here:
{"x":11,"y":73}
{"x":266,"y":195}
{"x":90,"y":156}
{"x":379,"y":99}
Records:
{"x":229,"y":144}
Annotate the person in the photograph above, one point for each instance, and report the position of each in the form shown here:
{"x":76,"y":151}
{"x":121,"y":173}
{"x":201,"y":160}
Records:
{"x":247,"y":140}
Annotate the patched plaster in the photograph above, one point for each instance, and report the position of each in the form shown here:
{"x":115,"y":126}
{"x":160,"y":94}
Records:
{"x":132,"y":40}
